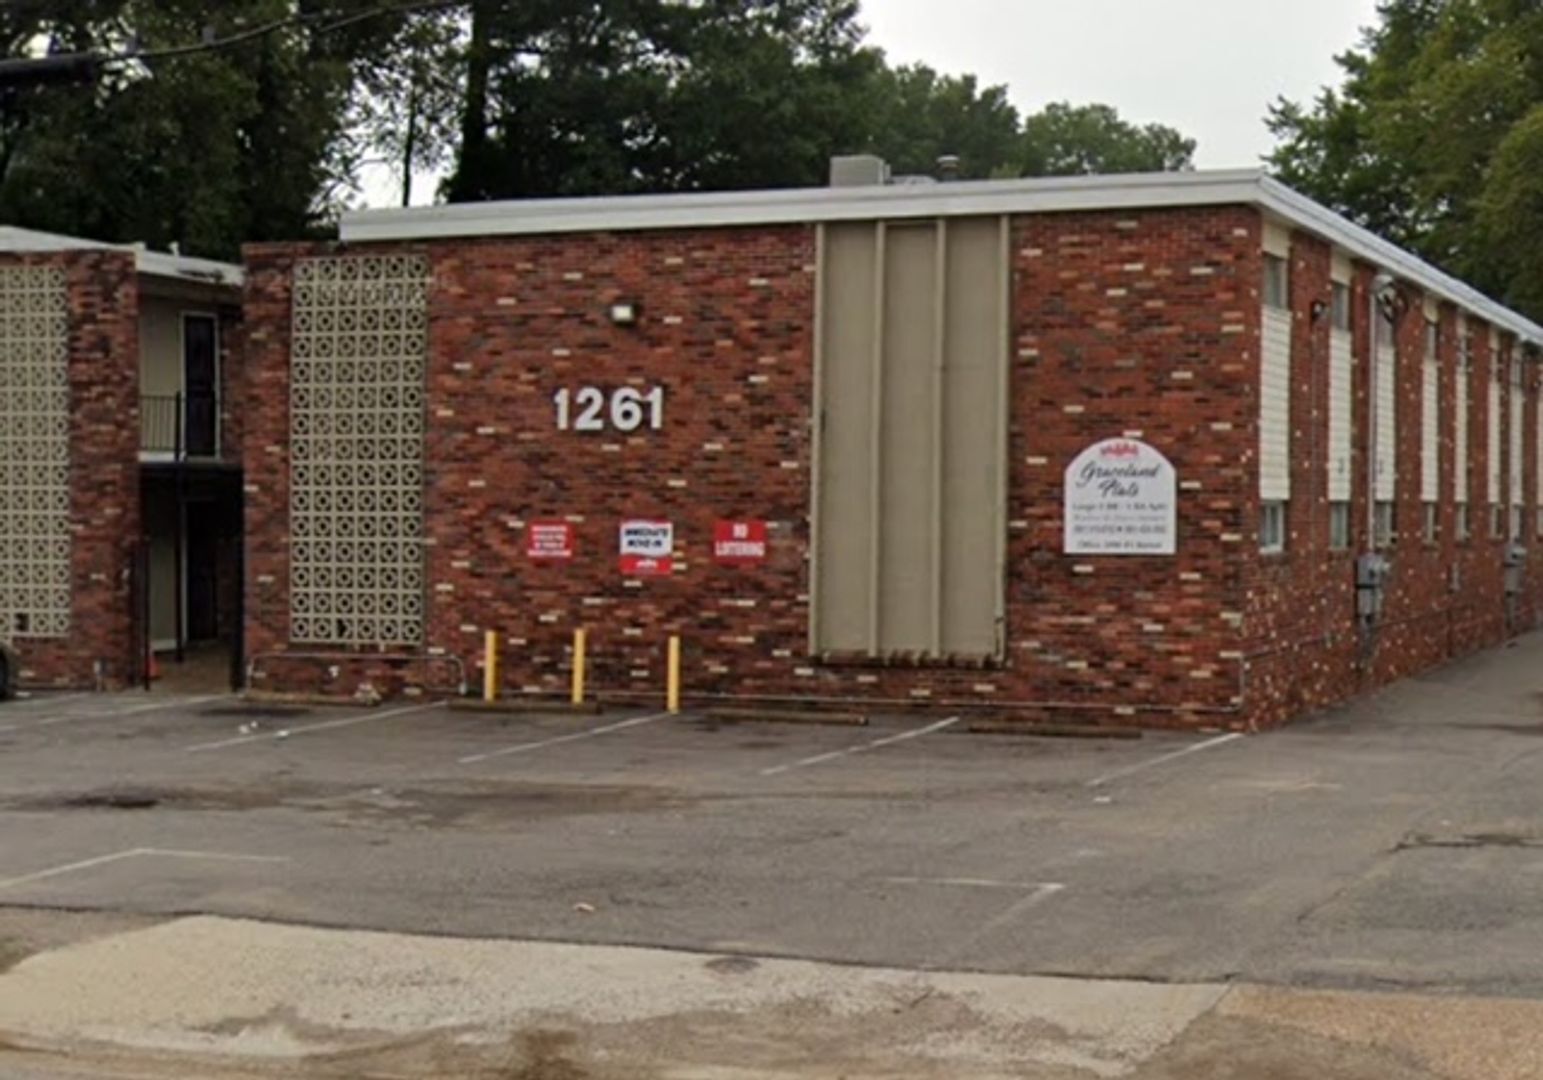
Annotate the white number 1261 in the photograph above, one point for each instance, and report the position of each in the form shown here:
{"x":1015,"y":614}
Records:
{"x":586,"y":409}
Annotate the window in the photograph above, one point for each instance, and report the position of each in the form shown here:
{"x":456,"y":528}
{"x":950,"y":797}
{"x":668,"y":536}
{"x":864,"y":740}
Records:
{"x":1277,"y":282}
{"x":1462,"y":528}
{"x":1516,"y":523}
{"x":1432,"y":528}
{"x":1272,"y":527}
{"x":1496,"y":521}
{"x":1339,"y":526}
{"x":1339,"y":307}
{"x":1386,"y":533}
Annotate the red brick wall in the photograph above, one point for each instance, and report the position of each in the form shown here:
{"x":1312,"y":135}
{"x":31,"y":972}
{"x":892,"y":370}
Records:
{"x":1306,"y":646}
{"x":1125,"y":323}
{"x":1139,"y":324}
{"x":104,"y":474}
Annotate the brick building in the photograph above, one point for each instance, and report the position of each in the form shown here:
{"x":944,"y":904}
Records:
{"x":119,"y":483}
{"x":1185,"y":449}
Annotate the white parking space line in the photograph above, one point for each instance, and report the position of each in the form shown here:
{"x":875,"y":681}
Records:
{"x":558,"y":740}
{"x":134,"y":853}
{"x":37,"y":700}
{"x":325,"y":725}
{"x":1141,"y":766}
{"x":862,"y":748}
{"x":1038,"y":895}
{"x":118,"y":714}
{"x":971,"y":883}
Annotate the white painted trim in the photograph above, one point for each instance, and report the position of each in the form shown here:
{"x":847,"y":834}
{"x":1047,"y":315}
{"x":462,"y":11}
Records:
{"x":1250,"y":187}
{"x":158,"y":264}
{"x":799,"y":205}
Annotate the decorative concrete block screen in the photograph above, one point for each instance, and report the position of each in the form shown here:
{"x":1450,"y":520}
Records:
{"x":34,"y":453}
{"x":360,"y":347}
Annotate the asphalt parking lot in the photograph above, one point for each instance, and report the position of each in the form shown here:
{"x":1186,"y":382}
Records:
{"x":1394,"y":842}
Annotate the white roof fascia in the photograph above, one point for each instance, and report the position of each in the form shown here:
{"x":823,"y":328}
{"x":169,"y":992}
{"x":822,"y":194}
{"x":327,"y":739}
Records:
{"x":528,"y":217}
{"x":158,"y":264}
{"x":185,"y":268}
{"x":1371,"y":248}
{"x":799,"y":205}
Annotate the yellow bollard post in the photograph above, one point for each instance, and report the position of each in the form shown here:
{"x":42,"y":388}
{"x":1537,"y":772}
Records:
{"x":672,"y":677}
{"x":490,"y":666}
{"x":578,"y":667}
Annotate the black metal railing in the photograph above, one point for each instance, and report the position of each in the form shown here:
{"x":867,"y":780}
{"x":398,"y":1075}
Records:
{"x":182,"y":425}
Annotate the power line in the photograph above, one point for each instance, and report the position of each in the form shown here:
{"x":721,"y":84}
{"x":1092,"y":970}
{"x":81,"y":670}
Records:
{"x":87,"y":66}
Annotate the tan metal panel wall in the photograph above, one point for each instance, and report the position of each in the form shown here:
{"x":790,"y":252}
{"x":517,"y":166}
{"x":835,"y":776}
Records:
{"x":844,"y":528}
{"x":911,"y":454}
{"x":907,"y":507}
{"x":974,"y":457}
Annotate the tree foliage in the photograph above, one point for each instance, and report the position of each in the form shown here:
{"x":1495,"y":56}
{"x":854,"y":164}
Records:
{"x":1073,"y":140}
{"x":1433,"y":138}
{"x":569,"y":98}
{"x":264,"y":139}
{"x":207,"y":149}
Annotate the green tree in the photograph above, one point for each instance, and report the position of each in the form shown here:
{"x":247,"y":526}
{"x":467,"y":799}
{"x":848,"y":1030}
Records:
{"x":206,"y":149}
{"x":568,"y":98}
{"x":1071,"y":140}
{"x":919,"y":115}
{"x":1426,"y":139}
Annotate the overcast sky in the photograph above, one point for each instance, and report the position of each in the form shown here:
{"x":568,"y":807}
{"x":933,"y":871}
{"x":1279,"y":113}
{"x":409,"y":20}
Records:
{"x":1207,"y":67}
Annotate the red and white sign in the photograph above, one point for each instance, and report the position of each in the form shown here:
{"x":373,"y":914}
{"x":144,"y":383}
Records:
{"x":647,"y":548}
{"x":549,"y":540}
{"x":739,"y":543}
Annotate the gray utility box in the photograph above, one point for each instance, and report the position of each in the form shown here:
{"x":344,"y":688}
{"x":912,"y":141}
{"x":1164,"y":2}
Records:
{"x":1371,"y":578}
{"x":10,"y":667}
{"x":1515,"y":564}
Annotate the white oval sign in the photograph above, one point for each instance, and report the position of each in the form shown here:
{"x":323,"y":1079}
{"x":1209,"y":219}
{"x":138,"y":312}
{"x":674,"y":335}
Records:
{"x":1121,"y":499}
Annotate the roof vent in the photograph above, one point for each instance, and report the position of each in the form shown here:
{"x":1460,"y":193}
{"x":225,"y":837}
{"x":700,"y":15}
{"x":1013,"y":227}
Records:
{"x":948,"y":168}
{"x":858,"y":170}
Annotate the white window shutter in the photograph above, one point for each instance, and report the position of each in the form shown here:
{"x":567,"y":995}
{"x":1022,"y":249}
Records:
{"x":1430,"y":444}
{"x":1275,"y":407}
{"x":1387,"y":423}
{"x":1341,"y":411}
{"x":1493,"y":443}
{"x":1460,"y":436}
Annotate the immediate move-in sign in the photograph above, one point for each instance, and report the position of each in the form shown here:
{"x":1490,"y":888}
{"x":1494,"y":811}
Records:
{"x":647,"y":548}
{"x":1121,"y":498}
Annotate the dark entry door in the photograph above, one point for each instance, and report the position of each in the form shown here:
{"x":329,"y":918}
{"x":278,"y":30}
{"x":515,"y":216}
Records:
{"x":200,"y":382}
{"x":203,"y":575}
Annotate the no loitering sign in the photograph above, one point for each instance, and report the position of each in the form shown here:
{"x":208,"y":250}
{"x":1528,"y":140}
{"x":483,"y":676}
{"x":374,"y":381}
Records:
{"x":739,"y":543}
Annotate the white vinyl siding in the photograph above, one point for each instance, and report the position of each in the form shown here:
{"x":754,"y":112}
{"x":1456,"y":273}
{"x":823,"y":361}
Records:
{"x":1275,"y":407}
{"x":1493,"y":444}
{"x":1387,"y":421}
{"x":1537,"y":424}
{"x":1518,"y":403}
{"x":1430,"y":444}
{"x":1461,"y":434}
{"x":1341,"y":395}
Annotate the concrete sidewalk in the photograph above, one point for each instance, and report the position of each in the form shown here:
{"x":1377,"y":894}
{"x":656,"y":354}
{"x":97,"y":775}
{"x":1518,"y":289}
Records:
{"x":213,"y":997}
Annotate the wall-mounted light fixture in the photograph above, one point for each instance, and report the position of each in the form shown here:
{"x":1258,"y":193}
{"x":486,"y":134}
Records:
{"x":625,"y":312}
